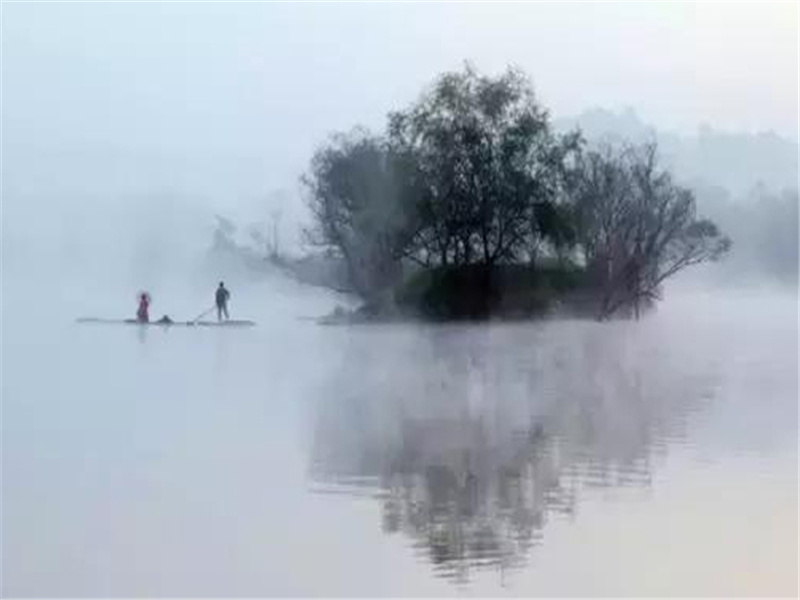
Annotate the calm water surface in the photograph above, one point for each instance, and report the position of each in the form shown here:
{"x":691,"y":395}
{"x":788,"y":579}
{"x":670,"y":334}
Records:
{"x":638,"y":458}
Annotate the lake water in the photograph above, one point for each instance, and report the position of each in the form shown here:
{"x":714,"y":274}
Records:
{"x":657,"y":457}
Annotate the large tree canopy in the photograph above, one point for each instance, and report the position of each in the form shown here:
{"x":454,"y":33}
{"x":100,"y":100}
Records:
{"x":492,"y":170}
{"x":361,"y":196}
{"x":472,"y":177}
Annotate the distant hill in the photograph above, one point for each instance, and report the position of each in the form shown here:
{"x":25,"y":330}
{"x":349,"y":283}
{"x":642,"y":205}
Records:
{"x":735,"y":161}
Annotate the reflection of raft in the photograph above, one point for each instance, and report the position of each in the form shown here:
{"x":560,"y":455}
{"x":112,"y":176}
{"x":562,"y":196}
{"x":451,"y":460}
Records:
{"x":161,"y":323}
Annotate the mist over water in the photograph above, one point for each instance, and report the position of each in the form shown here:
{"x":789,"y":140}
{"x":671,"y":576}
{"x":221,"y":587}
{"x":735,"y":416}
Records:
{"x":557,"y":457}
{"x":400,"y":459}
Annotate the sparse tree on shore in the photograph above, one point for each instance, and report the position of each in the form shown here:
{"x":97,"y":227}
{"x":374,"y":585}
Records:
{"x":636,"y":227}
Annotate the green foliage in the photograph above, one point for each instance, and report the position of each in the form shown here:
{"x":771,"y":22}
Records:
{"x":492,"y":170}
{"x":479,"y":291}
{"x":471,"y":185}
{"x":360,"y":195}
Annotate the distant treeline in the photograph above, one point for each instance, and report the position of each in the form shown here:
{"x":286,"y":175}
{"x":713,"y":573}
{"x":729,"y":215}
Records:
{"x":469,"y":204}
{"x":735,"y":161}
{"x":763,"y":225}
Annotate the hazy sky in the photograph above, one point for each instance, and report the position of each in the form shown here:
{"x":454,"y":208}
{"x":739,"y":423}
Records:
{"x":260,"y":85}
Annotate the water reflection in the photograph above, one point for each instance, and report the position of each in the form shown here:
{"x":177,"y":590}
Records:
{"x":473,"y":439}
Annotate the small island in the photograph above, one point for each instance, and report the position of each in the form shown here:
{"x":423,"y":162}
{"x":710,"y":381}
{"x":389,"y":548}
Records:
{"x":470,"y":206}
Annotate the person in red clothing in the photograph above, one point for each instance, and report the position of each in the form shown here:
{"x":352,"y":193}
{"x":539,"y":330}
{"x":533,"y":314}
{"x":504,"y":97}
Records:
{"x":143,"y":312}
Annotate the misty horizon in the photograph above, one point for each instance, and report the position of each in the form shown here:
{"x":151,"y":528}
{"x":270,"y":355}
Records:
{"x":329,"y":299}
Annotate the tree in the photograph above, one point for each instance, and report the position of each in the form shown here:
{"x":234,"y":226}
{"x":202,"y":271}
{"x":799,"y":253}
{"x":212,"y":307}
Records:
{"x":274,"y":243}
{"x":361,"y":196}
{"x":636,"y":227}
{"x":266,"y":236}
{"x":492,"y":171}
{"x":224,"y":234}
{"x":471,"y":180}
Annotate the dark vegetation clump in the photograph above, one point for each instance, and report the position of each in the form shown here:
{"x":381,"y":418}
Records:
{"x":470,"y":206}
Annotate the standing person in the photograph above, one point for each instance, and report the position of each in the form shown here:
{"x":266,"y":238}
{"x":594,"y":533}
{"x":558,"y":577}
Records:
{"x":221,"y":298}
{"x":143,"y":312}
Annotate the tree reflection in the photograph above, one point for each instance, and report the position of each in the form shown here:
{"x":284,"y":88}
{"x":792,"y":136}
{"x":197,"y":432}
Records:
{"x":472,"y":439}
